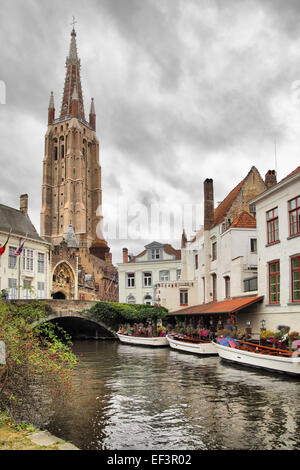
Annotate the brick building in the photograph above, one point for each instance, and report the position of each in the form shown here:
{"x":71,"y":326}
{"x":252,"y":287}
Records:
{"x":71,"y":217}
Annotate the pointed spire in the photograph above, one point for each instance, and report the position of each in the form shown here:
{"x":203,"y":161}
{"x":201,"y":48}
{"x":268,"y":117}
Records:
{"x":92,"y":110}
{"x":51,"y":109}
{"x":93,"y":115}
{"x":183,"y":239}
{"x":70,"y":238}
{"x":72,"y":80}
{"x":51,"y":101}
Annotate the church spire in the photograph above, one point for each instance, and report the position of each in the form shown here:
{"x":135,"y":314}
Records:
{"x":51,"y":109}
{"x":72,"y":81}
{"x":92,"y":115}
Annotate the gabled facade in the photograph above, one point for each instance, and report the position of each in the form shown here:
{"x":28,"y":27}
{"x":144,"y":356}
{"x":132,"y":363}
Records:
{"x":220,"y":262}
{"x":139,"y":275}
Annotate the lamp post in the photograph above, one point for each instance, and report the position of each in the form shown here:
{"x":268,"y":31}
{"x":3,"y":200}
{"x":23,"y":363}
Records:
{"x":248,"y":328}
{"x":262,"y":328}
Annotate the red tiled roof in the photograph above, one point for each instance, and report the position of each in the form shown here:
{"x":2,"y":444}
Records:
{"x":132,"y":260}
{"x":226,"y":306}
{"x":244,"y":220}
{"x":292,"y":173}
{"x":168,"y":249}
{"x":171,"y":251}
{"x":224,"y":206}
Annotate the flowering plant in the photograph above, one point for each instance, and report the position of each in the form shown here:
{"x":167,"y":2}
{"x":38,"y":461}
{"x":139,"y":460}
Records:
{"x":224,"y":332}
{"x":203,"y":332}
{"x":161,"y":331}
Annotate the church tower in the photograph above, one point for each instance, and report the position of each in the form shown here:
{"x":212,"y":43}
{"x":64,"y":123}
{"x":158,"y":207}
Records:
{"x":71,"y":190}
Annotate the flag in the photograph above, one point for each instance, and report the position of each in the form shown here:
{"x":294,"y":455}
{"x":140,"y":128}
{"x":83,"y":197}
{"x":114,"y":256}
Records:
{"x":20,"y":249}
{"x":3,"y":248}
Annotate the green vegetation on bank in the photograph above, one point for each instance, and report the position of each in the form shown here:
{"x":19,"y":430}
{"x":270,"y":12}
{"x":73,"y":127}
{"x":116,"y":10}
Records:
{"x":115,"y":314}
{"x":35,"y":357}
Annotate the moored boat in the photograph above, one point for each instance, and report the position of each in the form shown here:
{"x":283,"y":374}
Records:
{"x":143,"y":340}
{"x":191,"y":345}
{"x":263,"y":357}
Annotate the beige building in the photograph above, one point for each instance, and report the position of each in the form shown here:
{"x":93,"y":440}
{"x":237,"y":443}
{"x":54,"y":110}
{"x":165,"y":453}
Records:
{"x":71,"y":217}
{"x":26,"y":276}
{"x":139,"y":275}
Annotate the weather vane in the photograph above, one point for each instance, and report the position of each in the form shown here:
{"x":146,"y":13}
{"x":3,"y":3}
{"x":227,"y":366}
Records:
{"x":74,"y":22}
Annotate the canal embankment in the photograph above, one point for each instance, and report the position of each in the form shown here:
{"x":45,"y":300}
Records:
{"x":20,"y":436}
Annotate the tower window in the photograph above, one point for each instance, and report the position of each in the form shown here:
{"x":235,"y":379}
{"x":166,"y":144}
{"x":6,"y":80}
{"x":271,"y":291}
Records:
{"x":62,"y":151}
{"x":55,"y":153}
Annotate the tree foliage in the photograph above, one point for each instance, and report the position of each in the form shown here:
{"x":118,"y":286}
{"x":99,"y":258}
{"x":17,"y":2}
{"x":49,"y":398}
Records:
{"x":115,"y":314}
{"x":34,"y":355}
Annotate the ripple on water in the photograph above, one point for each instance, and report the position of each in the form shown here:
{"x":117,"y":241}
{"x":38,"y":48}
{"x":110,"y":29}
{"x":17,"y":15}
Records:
{"x":140,"y":398}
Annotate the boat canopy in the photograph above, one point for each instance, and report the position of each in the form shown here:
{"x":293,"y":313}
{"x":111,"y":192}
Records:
{"x":226,"y":306}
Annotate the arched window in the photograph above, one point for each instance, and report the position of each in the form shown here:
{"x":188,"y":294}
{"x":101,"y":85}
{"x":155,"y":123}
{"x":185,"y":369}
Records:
{"x":164,"y":275}
{"x":130,"y":299}
{"x":148,"y":299}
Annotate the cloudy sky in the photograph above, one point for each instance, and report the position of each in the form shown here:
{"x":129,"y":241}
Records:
{"x":184,"y":90}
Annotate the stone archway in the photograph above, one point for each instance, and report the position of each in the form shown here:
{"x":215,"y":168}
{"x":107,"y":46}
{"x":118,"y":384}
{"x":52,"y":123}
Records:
{"x":63,"y":284}
{"x":59,"y":295}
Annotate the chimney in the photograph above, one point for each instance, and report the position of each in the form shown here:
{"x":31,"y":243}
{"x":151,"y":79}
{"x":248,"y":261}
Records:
{"x":125,"y":255}
{"x":183,"y":239}
{"x":24,"y":204}
{"x":208,"y":203}
{"x":270,"y":178}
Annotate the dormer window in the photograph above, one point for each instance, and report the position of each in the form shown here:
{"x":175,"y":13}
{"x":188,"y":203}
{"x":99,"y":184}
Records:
{"x":155,"y":253}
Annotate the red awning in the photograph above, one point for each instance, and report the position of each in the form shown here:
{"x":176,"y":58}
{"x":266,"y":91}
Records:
{"x":226,"y":306}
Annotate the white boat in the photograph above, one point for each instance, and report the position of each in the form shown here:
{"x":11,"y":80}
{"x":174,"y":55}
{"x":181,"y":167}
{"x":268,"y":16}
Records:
{"x":253,"y":355}
{"x":143,"y":340}
{"x":194,"y":346}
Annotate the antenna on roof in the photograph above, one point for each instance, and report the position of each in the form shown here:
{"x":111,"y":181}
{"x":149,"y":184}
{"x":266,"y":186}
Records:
{"x":275,"y":153}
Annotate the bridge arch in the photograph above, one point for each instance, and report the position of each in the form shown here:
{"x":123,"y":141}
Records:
{"x":79,"y":327}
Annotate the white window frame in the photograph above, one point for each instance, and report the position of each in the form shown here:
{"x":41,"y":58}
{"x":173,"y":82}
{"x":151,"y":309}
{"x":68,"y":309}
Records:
{"x":147,"y":280}
{"x":130,"y":280}
{"x":12,"y":259}
{"x":41,"y":263}
{"x":12,"y":288}
{"x":28,"y":259}
{"x":164,"y":275}
{"x":41,"y":291}
{"x":155,"y":253}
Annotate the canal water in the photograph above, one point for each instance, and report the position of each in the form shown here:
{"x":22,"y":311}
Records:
{"x":135,"y":398}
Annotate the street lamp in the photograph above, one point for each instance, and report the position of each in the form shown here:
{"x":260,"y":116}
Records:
{"x":263,"y":324}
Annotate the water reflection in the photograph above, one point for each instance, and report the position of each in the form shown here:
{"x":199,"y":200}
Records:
{"x":140,"y":398}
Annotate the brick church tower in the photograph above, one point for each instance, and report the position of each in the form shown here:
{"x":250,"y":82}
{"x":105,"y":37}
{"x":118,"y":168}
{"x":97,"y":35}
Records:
{"x":71,"y":191}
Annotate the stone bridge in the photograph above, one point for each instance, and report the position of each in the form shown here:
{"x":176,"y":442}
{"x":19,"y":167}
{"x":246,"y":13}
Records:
{"x":72,"y":316}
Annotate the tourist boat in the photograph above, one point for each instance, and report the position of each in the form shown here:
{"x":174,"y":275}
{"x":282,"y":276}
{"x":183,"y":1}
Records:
{"x":143,"y":340}
{"x":254,"y":355}
{"x":191,"y":345}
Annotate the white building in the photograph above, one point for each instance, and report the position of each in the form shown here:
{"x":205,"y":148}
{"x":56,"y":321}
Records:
{"x":28,"y":275}
{"x":219,"y":265}
{"x":278,"y":238}
{"x":139,"y":275}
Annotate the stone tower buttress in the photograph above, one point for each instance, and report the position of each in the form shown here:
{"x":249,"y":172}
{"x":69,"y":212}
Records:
{"x":71,"y":189}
